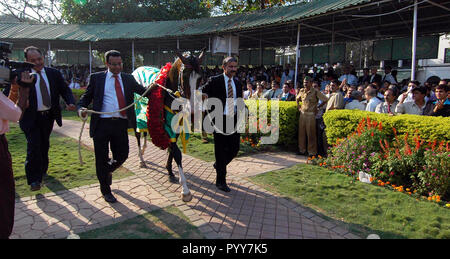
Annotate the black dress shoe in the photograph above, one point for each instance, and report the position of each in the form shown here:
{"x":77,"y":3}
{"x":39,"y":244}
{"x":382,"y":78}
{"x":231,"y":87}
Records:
{"x":36,"y":186}
{"x":110,"y":198}
{"x":224,"y":187}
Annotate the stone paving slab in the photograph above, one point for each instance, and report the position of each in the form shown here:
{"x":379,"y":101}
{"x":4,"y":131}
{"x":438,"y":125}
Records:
{"x":55,"y":215}
{"x":248,"y":211}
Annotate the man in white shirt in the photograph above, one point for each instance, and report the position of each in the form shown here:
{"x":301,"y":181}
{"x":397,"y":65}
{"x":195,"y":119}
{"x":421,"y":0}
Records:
{"x":110,"y":91}
{"x":351,"y":79}
{"x":356,"y":103}
{"x":372,"y":100}
{"x":388,"y":76}
{"x":414,"y":107}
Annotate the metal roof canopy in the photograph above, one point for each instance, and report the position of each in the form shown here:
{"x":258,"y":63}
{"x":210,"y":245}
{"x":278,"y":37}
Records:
{"x":273,"y":27}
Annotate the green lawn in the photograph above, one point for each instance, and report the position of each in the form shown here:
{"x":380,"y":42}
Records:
{"x":366,"y":208}
{"x":65,"y":171}
{"x":205,"y":151}
{"x":165,"y":223}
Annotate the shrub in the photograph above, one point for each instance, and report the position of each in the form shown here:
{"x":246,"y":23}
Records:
{"x":288,"y":121}
{"x":341,"y":123}
{"x":353,"y":154}
{"x":403,"y":164}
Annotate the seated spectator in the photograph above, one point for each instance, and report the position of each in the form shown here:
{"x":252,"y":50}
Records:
{"x":350,"y":78}
{"x":390,"y":103}
{"x":361,"y":88}
{"x":388,"y":76}
{"x":74,"y":84}
{"x":336,"y":100}
{"x":287,"y":75}
{"x":273,"y":93}
{"x":291,"y":86}
{"x":348,"y":95}
{"x":411,"y":85}
{"x":365,"y":78}
{"x":417,"y":106}
{"x":287,"y":95}
{"x":441,"y":107}
{"x":356,"y":103}
{"x":325,"y":81}
{"x":259,"y":92}
{"x":371,"y":98}
{"x":265,"y":86}
{"x":248,"y":92}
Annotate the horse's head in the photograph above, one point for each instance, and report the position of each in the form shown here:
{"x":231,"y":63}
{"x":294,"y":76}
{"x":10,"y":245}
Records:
{"x":186,"y":74}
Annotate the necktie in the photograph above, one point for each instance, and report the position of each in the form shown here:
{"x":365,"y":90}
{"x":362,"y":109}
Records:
{"x":230,"y":95}
{"x":44,"y":91}
{"x":119,"y":95}
{"x":389,"y":108}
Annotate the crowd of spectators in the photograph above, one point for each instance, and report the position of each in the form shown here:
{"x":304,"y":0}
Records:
{"x":76,"y":76}
{"x":370,"y":91}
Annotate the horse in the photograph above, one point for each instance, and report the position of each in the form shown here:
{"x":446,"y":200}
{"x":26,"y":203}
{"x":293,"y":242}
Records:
{"x":145,"y":76}
{"x":182,"y":79}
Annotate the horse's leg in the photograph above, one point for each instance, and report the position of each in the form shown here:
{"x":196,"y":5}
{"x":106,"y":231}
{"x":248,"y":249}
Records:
{"x":169,"y":166}
{"x":185,"y":193}
{"x":145,"y":142}
{"x":141,"y":157}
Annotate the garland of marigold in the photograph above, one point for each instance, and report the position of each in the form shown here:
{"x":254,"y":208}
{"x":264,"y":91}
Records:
{"x":155,"y":111}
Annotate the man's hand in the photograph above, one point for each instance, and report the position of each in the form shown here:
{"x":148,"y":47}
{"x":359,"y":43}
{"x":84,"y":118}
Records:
{"x":71,"y":107}
{"x":439,"y":105}
{"x":82,"y":113}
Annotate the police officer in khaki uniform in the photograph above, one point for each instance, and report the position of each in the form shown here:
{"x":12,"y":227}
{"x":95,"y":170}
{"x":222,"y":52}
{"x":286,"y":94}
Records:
{"x":309,"y":98}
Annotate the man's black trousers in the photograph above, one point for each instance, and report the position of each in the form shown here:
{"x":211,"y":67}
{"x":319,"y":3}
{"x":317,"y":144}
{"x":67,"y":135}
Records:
{"x":38,"y":144}
{"x":226,"y":147}
{"x":110,"y":133}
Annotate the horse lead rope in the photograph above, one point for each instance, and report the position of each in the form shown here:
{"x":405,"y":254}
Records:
{"x":84,"y":119}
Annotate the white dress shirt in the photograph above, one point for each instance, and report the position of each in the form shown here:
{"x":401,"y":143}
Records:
{"x":40,"y":106}
{"x":372,"y":104}
{"x":225,"y":112}
{"x":410,"y":108}
{"x":355,"y":105}
{"x":110,"y":102}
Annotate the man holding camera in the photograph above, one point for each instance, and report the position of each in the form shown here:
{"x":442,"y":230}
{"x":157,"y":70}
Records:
{"x":44,"y":108}
{"x":11,"y":109}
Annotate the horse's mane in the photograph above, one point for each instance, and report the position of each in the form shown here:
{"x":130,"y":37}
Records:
{"x":172,"y":82}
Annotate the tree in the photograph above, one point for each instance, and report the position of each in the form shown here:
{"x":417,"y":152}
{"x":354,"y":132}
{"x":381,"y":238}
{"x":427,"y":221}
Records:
{"x":242,"y":6}
{"x":113,"y":11}
{"x":34,"y":11}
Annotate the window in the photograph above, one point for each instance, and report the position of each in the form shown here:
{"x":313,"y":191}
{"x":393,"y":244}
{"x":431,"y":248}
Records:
{"x":447,"y":55}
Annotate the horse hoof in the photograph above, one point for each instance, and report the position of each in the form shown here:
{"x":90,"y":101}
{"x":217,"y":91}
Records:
{"x":187,"y":198}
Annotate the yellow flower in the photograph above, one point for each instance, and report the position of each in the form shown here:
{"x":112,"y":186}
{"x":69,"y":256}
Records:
{"x":447,"y":205}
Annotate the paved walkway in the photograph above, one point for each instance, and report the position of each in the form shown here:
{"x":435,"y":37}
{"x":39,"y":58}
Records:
{"x":248,"y":211}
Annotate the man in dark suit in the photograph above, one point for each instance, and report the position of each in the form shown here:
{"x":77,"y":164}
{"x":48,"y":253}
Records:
{"x":365,"y":78}
{"x":227,"y":89}
{"x":44,"y":108}
{"x":110,"y":91}
{"x":374,"y":77}
{"x":287,"y":95}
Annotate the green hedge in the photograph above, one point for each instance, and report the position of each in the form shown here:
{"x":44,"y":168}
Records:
{"x":77,"y":93}
{"x":288,"y":120}
{"x":341,"y":123}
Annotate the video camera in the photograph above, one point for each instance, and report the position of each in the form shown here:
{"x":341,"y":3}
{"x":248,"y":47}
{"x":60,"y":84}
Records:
{"x":10,"y":69}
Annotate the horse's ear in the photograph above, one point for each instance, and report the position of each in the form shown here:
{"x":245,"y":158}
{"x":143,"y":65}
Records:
{"x":183,"y":59}
{"x":202,"y":55}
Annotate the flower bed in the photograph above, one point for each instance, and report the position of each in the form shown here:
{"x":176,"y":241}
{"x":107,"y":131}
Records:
{"x":415,"y":167}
